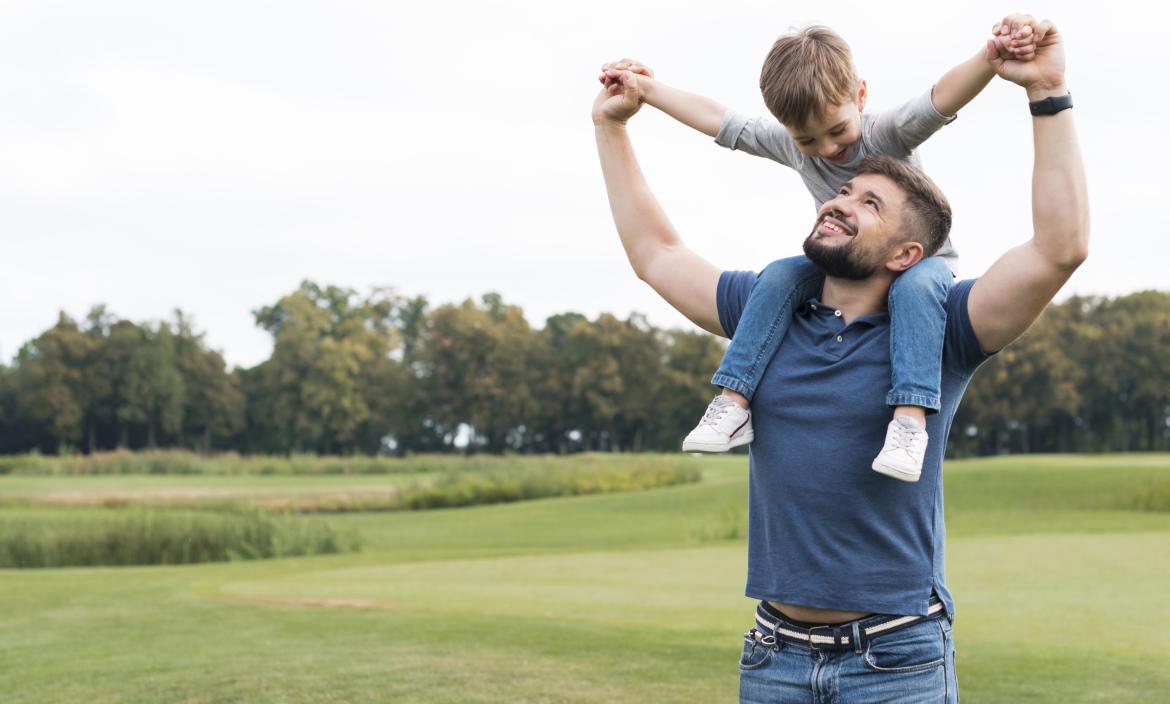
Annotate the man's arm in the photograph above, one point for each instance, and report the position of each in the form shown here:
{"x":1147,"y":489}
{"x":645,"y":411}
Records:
{"x":1006,"y":300}
{"x":657,"y":254}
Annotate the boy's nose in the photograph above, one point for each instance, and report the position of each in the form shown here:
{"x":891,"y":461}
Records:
{"x":829,"y":149}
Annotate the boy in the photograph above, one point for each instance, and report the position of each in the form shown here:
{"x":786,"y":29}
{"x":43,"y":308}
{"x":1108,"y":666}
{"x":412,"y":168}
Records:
{"x":810,"y":85}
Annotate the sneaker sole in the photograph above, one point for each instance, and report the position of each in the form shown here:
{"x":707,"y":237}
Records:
{"x":715,"y":448}
{"x":894,"y":472}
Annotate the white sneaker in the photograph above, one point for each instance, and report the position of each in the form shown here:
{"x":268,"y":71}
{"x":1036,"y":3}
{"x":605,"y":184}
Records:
{"x":905,"y":448}
{"x":725,"y":425}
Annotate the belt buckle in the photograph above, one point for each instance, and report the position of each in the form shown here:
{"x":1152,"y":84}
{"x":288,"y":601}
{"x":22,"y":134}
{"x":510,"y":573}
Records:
{"x":811,"y":631}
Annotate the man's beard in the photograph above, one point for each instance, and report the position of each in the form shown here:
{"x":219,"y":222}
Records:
{"x":844,"y":261}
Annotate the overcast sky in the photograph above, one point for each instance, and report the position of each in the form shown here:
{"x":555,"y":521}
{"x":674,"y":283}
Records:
{"x":211,"y":155}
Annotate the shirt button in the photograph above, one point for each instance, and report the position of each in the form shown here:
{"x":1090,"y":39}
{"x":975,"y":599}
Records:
{"x":813,"y":306}
{"x":837,"y":313}
{"x":840,"y":338}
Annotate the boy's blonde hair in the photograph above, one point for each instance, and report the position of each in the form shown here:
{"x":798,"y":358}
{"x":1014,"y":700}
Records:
{"x":807,"y":71}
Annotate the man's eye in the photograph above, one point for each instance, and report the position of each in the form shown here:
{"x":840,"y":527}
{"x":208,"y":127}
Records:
{"x":872,"y":202}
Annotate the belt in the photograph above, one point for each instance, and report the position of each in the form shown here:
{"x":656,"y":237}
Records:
{"x":851,"y":635}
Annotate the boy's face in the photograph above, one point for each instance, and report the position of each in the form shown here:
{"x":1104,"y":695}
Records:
{"x":832,"y":134}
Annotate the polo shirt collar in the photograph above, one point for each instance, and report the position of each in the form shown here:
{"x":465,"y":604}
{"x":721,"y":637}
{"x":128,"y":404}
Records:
{"x":814,"y":306}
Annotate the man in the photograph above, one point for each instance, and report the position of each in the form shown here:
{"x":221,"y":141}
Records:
{"x":847,"y":564}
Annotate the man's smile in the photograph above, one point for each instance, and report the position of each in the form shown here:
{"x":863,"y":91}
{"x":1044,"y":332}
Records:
{"x":830,"y":225}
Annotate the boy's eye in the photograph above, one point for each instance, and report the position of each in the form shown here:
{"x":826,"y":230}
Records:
{"x":837,"y":133}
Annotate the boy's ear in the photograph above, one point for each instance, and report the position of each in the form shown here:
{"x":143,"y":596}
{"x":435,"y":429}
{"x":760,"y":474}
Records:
{"x":861,"y":95}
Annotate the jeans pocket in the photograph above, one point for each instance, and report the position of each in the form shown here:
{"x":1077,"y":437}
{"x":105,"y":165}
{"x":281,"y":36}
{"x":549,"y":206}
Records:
{"x":755,"y":654}
{"x":919,"y":647}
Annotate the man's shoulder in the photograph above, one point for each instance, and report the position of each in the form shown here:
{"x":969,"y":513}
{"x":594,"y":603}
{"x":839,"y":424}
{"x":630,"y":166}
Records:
{"x":731,"y":296}
{"x":962,"y":351}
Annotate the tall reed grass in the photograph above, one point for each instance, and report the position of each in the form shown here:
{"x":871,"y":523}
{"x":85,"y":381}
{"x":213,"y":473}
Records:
{"x":152,"y":537}
{"x":524,"y":483}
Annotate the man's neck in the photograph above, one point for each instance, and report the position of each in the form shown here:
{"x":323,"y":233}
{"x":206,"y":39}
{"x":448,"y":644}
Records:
{"x":857,"y":298}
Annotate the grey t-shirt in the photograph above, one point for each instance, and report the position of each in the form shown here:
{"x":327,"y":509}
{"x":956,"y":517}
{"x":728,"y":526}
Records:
{"x":894,"y":133}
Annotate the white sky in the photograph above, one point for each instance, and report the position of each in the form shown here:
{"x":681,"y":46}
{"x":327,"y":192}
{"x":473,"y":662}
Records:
{"x":210,"y":155}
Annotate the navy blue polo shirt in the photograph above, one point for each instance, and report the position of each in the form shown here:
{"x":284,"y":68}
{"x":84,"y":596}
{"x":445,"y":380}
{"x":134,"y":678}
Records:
{"x":825,"y":530}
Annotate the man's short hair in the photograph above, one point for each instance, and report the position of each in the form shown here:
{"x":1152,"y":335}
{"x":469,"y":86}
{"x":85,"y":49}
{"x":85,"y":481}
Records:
{"x":926,"y":214}
{"x":808,"y":71}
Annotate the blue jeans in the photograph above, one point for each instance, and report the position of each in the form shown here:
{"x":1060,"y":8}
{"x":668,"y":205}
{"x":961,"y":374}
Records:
{"x":914,"y":665}
{"x":918,"y":322}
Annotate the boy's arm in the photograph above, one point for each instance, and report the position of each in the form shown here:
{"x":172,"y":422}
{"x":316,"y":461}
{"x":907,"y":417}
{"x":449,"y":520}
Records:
{"x":758,"y":136}
{"x":962,"y":83}
{"x":900,"y":131}
{"x":693,"y":110}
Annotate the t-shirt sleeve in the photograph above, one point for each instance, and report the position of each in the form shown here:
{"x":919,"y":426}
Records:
{"x":731,"y":296}
{"x":758,"y":136}
{"x":962,"y":352}
{"x":899,"y":131}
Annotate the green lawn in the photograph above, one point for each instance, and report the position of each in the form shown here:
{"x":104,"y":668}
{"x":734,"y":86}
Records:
{"x":1060,"y":584}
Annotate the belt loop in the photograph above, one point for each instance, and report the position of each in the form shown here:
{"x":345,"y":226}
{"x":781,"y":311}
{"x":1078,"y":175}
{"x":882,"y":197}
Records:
{"x":857,"y":637}
{"x":776,"y":634}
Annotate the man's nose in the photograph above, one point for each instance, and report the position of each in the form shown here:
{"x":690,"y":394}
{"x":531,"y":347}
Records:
{"x":838,"y":208}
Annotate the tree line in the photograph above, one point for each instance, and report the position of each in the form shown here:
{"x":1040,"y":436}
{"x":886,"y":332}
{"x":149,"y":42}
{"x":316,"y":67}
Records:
{"x":381,"y":372}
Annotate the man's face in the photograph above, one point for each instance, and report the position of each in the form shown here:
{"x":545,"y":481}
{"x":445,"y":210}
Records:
{"x":832,"y":134}
{"x":853,"y":234}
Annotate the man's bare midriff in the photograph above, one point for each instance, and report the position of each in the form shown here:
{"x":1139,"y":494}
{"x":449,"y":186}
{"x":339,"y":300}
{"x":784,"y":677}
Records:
{"x":811,"y":615}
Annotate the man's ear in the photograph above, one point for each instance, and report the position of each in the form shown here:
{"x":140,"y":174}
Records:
{"x":904,"y":256}
{"x":861,"y":95}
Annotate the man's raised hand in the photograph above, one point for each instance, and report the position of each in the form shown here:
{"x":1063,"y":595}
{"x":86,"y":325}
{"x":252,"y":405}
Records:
{"x":620,"y":97}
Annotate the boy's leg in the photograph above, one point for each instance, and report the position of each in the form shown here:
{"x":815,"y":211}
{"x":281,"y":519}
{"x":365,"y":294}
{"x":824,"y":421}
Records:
{"x":781,"y":286}
{"x":918,"y":321}
{"x":765,"y":320}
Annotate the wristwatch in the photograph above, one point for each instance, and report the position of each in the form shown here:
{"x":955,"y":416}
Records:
{"x":1051,"y":105}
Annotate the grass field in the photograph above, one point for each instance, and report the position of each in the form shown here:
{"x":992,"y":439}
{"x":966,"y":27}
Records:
{"x":1060,"y":567}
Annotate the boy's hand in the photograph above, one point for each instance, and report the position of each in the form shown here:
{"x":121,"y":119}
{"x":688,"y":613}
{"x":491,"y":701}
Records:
{"x":609,"y":71}
{"x":1042,"y":73}
{"x":1016,"y":36}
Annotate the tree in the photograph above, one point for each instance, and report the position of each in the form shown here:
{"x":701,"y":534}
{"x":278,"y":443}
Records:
{"x":49,"y":380}
{"x":312,"y":391}
{"x":214,"y":403}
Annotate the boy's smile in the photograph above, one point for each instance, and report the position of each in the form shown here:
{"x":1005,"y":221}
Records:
{"x":841,"y":155}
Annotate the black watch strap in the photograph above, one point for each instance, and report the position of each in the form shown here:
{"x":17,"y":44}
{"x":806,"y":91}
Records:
{"x":1051,"y":105}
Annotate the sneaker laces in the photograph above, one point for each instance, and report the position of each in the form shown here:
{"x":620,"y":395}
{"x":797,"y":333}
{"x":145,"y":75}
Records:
{"x":716,"y":410}
{"x":906,"y":434}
